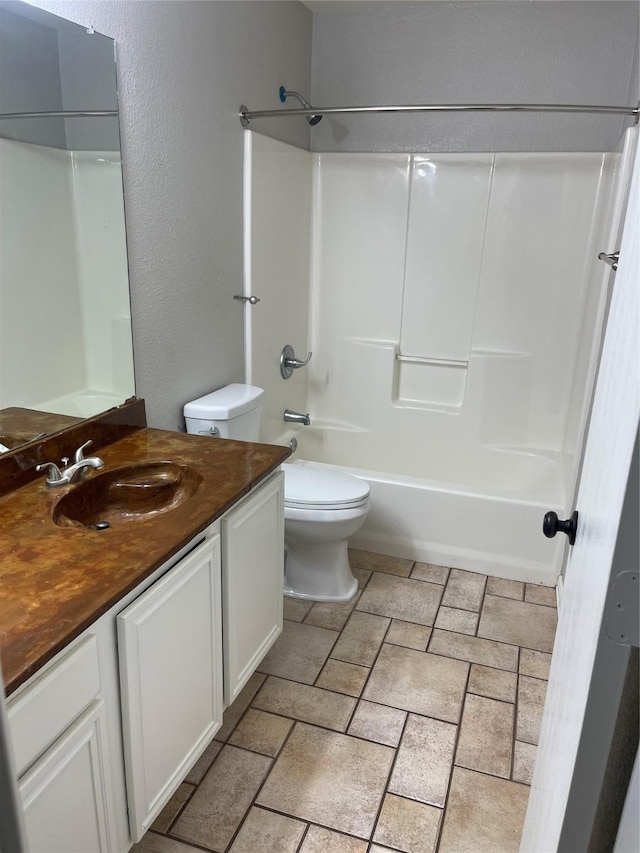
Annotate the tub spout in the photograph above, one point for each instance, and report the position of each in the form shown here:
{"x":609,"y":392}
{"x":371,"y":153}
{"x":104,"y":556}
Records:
{"x":296,"y":418}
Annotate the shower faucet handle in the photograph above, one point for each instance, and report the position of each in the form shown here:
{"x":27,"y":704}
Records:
{"x":289,"y":362}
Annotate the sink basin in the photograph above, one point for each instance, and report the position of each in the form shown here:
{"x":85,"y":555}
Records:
{"x":128,"y":494}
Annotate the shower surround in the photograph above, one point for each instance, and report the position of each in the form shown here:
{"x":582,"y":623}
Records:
{"x":454,"y":305}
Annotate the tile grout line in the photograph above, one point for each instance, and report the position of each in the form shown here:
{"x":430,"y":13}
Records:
{"x":453,"y":760}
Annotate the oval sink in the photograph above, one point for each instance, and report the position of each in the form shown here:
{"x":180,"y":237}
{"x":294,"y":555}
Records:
{"x":127,"y":494}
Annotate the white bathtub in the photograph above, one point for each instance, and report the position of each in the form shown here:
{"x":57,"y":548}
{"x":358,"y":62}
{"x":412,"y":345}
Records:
{"x":81,"y":404}
{"x":496,"y":530}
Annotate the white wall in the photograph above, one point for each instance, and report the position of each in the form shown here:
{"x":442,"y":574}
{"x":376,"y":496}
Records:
{"x":473,"y":52}
{"x":102,"y":271}
{"x":39,"y":290}
{"x":184,"y":68}
{"x":277,"y":259}
{"x":65,"y":322}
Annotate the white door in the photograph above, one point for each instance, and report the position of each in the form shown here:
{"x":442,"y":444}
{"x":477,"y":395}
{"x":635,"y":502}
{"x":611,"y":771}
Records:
{"x":170,"y":652}
{"x":608,"y":452}
{"x":64,"y":794}
{"x":252,"y":579}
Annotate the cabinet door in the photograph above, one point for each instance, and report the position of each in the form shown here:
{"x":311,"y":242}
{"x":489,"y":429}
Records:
{"x":252,"y":579}
{"x":64,"y":793}
{"x":170,"y":651}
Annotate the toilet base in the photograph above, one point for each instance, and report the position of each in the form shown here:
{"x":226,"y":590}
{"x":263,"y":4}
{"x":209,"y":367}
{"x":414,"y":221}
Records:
{"x":319,"y":572}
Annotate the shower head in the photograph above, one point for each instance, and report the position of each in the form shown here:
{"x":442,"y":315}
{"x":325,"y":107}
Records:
{"x":284,"y":94}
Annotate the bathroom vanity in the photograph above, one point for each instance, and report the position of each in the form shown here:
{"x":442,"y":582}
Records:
{"x":121,"y":646}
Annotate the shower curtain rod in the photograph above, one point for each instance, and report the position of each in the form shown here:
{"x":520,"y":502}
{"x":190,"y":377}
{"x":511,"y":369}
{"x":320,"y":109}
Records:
{"x":247,"y":115}
{"x":61,"y":114}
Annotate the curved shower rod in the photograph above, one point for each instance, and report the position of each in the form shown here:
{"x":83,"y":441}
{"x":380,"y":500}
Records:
{"x":245,"y":115}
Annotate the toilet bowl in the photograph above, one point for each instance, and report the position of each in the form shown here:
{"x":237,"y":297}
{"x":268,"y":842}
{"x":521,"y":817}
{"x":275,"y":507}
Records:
{"x":322,"y":508}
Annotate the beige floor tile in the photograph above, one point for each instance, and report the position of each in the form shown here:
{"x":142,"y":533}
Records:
{"x":486,"y":736}
{"x":378,"y":848}
{"x":531,"y":695}
{"x":474,"y":649}
{"x":430,"y":572}
{"x":418,"y":682}
{"x":172,"y":809}
{"x":263,"y":830}
{"x":329,"y":778}
{"x":380,"y":563}
{"x":320,"y":840}
{"x":215,"y":811}
{"x":261,"y":732}
{"x":331,"y":614}
{"x":424,"y":760}
{"x":299,"y":652}
{"x":524,"y":759}
{"x":401,"y":598}
{"x":154,"y":843}
{"x":460,"y":621}
{"x":309,"y":704}
{"x":537,"y":594}
{"x":518,"y":622}
{"x":535,"y":664}
{"x":505,"y":588}
{"x":408,"y":634}
{"x":343,"y":677}
{"x":295,"y":609}
{"x":408,"y":825}
{"x":361,"y":575}
{"x":237,"y":709}
{"x":361,"y":638}
{"x":205,"y":761}
{"x":484,"y":814}
{"x":493,"y":683}
{"x":378,"y":723}
{"x":464,"y":590}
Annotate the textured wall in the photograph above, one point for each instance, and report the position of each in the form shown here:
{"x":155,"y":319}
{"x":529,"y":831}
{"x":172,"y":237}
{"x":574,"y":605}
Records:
{"x":553,"y":52}
{"x":184,"y":69}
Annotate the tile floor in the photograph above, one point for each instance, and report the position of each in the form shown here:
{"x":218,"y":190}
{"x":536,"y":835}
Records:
{"x":404,"y":720}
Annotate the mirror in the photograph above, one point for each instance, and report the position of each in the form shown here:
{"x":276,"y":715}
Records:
{"x":65,"y":318}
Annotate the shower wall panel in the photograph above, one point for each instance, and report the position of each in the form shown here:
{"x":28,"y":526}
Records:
{"x":480,"y":261}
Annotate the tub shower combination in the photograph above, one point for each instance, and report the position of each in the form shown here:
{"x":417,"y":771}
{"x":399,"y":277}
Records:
{"x":451,"y":367}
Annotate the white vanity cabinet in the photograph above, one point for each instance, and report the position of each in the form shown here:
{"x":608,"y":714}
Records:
{"x":170,"y":653}
{"x":252,"y":581}
{"x":106,"y":731}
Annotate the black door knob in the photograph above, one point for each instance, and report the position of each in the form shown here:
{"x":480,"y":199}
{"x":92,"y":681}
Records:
{"x":552,"y":525}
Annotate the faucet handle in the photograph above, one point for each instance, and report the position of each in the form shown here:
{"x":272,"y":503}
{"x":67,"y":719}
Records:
{"x":55,"y":476}
{"x":79,"y":454}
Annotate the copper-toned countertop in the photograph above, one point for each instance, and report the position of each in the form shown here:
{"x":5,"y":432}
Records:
{"x":56,"y":581}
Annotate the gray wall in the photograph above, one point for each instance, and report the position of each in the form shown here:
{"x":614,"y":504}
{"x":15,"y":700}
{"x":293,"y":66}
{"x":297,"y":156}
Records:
{"x":184,"y":68}
{"x":553,"y":52}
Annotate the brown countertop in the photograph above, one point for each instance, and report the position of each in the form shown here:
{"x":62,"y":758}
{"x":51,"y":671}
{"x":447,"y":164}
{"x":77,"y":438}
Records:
{"x":56,"y":581}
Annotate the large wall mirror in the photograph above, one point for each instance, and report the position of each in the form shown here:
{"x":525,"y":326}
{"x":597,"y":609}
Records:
{"x":65,"y":319}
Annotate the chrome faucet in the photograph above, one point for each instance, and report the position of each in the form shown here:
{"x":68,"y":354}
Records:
{"x":296,"y":418}
{"x":71,"y":473}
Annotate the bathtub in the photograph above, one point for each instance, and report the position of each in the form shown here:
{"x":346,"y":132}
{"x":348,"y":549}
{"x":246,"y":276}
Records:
{"x":81,"y":404}
{"x":495,"y":531}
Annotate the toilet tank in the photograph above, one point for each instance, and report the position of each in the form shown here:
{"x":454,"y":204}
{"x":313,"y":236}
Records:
{"x":234,"y":411}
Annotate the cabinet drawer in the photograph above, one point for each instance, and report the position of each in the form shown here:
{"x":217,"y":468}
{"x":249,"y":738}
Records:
{"x":41,"y":712}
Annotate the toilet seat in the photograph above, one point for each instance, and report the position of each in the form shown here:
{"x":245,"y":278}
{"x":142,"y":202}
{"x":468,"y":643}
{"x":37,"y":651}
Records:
{"x":315,"y":489}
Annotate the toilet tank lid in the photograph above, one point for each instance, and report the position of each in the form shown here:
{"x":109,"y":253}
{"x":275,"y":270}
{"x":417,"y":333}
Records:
{"x":225,"y":403}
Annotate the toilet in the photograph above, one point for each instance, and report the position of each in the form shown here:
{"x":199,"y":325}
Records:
{"x":322,"y":508}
